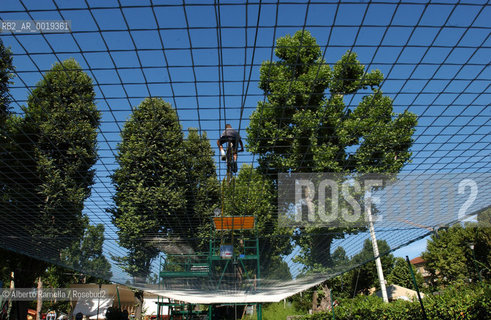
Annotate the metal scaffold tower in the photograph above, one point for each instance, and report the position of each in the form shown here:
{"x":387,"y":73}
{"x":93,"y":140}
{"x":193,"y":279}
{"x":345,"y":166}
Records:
{"x":232,"y":264}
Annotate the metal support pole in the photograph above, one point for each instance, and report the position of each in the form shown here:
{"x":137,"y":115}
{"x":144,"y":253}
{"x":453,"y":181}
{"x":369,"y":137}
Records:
{"x":99,"y":299}
{"x":378,"y":262}
{"x":260,"y":306}
{"x":119,"y":300}
{"x":417,"y":289}
{"x":475,"y":262}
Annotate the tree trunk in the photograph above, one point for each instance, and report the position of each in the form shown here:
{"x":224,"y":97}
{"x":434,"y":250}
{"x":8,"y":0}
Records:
{"x":17,"y":309}
{"x":314,"y":301}
{"x":325,"y":303}
{"x":27,"y":270}
{"x":139,"y":307}
{"x":12,"y":286}
{"x":39,"y":306}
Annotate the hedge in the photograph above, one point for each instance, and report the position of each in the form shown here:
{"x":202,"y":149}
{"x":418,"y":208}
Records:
{"x":464,"y":302}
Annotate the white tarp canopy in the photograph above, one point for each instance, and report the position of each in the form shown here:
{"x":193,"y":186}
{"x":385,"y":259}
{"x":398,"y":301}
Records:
{"x":269,"y":293}
{"x":150,"y":306}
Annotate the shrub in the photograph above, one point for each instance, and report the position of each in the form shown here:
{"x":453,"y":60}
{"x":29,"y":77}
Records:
{"x":460,"y":302}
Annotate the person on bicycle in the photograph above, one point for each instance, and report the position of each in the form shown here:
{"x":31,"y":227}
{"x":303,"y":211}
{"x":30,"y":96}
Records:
{"x":232,"y":138}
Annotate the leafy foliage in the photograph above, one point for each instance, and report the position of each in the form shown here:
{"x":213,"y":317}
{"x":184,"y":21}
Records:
{"x":202,"y":186}
{"x":150,"y":196}
{"x":50,"y":152}
{"x":467,"y":302}
{"x":251,"y":194}
{"x":356,"y":281}
{"x":274,"y":311}
{"x":301,"y":128}
{"x":62,"y":120}
{"x":87,"y":254}
{"x":6,"y":74}
{"x":450,"y":259}
{"x":165,"y":186}
{"x":401,"y":276}
{"x":366,"y":275}
{"x":6,"y":69}
{"x":53,"y":147}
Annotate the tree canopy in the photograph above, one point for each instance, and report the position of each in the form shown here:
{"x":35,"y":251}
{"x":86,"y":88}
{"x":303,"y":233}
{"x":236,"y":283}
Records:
{"x":165,"y":186}
{"x":87,"y":254}
{"x":150,"y":197}
{"x":6,"y":69}
{"x":401,"y":276}
{"x":61,"y":119}
{"x":51,"y":149}
{"x":459,"y":254}
{"x":6,"y":74}
{"x":305,"y":124}
{"x":203,"y":188}
{"x":252,"y":194}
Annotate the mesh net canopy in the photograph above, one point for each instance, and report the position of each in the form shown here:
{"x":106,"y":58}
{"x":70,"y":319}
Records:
{"x":205,"y":58}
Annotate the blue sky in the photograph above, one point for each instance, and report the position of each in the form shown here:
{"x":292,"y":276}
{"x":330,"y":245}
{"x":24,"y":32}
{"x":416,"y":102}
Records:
{"x":435,"y":57}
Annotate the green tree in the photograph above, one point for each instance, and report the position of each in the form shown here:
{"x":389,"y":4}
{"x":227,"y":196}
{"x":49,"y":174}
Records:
{"x":365,"y":276}
{"x":401,"y":276}
{"x":87,"y":254}
{"x":252,"y":194}
{"x":24,"y":268}
{"x":62,"y":119}
{"x":6,"y":74}
{"x":84,"y":263}
{"x":150,"y":197}
{"x":52,"y":149}
{"x":203,"y":189}
{"x":450,"y":258}
{"x":305,"y":125}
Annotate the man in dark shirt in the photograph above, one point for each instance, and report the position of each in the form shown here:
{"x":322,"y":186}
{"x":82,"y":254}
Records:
{"x":232,"y":137}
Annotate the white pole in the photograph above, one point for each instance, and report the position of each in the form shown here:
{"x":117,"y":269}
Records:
{"x":378,"y":262}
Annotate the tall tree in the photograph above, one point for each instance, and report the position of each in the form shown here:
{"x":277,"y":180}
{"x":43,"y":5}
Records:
{"x":460,"y":253}
{"x":62,"y":119}
{"x":305,"y":125}
{"x":252,"y":194}
{"x":365,"y":276}
{"x":6,"y":74}
{"x":87,"y":254}
{"x":11,"y":262}
{"x":150,"y":198}
{"x":203,"y":189}
{"x":401,"y":276}
{"x":51,"y":153}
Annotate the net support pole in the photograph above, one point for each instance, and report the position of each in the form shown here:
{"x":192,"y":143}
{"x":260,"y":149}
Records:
{"x":378,"y":262}
{"x":417,"y":288}
{"x":119,"y":300}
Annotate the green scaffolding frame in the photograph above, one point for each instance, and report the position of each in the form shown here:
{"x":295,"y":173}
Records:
{"x":240,"y":269}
